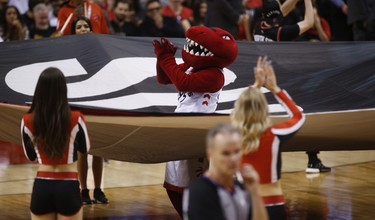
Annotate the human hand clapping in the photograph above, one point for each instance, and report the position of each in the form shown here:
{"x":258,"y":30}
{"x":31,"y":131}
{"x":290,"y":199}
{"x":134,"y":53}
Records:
{"x":259,"y":73}
{"x":265,"y":75}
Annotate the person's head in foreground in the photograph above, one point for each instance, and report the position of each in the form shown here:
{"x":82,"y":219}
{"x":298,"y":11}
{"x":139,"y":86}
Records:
{"x":224,"y":150}
{"x":217,"y":195}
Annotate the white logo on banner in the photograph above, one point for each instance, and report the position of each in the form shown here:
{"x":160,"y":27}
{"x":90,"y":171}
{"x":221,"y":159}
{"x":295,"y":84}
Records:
{"x":116,"y":75}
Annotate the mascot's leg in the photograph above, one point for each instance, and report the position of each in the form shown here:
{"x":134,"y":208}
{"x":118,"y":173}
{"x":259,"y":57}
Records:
{"x":178,"y":176}
{"x":176,"y":200}
{"x":176,"y":179}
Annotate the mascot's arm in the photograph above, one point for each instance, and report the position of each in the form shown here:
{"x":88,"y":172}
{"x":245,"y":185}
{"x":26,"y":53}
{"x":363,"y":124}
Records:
{"x":161,"y":77}
{"x":206,"y":80}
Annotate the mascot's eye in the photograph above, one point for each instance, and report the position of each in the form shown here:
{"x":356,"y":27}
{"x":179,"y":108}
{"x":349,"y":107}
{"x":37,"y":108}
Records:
{"x":226,"y":37}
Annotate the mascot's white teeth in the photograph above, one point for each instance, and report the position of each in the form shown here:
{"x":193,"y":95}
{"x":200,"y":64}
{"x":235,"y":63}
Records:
{"x":196,"y":49}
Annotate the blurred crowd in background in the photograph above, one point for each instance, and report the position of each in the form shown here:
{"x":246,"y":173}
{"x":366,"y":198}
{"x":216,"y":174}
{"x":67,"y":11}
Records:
{"x":338,"y":20}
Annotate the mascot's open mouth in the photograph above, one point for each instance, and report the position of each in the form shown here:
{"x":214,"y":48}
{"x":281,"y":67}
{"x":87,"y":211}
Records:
{"x":196,"y":49}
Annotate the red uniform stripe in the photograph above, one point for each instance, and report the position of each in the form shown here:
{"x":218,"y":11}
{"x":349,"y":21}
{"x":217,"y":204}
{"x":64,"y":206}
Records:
{"x":57,"y":175}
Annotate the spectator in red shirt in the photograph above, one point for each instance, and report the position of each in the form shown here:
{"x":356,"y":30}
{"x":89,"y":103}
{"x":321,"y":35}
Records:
{"x":73,"y":8}
{"x":176,"y":10}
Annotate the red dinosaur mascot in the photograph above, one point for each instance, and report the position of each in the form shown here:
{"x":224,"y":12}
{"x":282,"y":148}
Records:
{"x":199,"y":81}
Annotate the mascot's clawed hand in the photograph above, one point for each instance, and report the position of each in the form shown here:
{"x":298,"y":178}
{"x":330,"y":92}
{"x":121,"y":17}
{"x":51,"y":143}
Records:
{"x":163,"y":47}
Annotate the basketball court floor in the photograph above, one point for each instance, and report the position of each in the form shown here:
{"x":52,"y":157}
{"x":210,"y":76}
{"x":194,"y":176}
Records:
{"x":135,"y":190}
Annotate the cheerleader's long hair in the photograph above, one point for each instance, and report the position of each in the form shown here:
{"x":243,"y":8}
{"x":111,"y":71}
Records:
{"x":251,"y":117}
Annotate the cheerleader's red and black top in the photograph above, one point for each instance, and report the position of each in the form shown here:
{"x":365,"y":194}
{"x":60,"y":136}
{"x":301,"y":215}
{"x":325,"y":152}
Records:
{"x":78,"y":140}
{"x":266,"y":160}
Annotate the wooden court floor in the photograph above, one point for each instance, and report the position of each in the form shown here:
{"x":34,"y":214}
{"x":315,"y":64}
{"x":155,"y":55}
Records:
{"x":135,"y":190}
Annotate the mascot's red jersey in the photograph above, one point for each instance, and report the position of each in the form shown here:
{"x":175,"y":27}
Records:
{"x":199,"y":81}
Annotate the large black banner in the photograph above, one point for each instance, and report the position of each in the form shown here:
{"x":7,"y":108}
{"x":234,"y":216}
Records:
{"x":117,"y":73}
{"x":131,"y":117}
